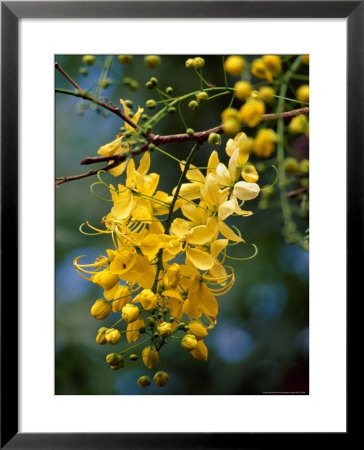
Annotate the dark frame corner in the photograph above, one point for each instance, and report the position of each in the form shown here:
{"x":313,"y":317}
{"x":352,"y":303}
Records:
{"x":11,"y":12}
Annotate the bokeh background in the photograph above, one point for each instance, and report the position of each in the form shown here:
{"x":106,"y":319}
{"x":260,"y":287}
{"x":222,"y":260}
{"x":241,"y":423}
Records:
{"x":261,"y":341}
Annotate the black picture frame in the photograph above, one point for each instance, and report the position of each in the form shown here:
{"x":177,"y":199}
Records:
{"x":11,"y":13}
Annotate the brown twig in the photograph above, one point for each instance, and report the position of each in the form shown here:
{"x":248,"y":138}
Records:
{"x":86,"y":174}
{"x":301,"y":190}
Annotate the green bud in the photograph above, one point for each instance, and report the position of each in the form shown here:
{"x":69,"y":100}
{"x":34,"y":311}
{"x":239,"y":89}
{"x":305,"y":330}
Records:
{"x":189,"y":63}
{"x":290,"y":165}
{"x":144,"y":381}
{"x":133,"y":357}
{"x":152,"y":61}
{"x":142,"y":330}
{"x":150,"y":104}
{"x":151,"y":147}
{"x":193,"y":104}
{"x":304,"y":166}
{"x":155,"y":335}
{"x":105,"y":83}
{"x":169,"y":90}
{"x":125,"y":59}
{"x":160,"y":315}
{"x":181,"y":326}
{"x":134,"y":85}
{"x":171,"y":319}
{"x":198,"y":62}
{"x":128,"y":134}
{"x":83,"y":71}
{"x":154,"y":81}
{"x":127,"y":81}
{"x":190,"y":131}
{"x":145,"y":117}
{"x":165,"y":311}
{"x":151,"y":322}
{"x":89,"y":60}
{"x":122,"y":129}
{"x":202,"y":95}
{"x":129,"y":103}
{"x":149,"y":85}
{"x":114,"y":359}
{"x":171,"y":110}
{"x":214,"y":139}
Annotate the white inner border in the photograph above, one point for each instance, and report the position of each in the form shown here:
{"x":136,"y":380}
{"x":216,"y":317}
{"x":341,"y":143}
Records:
{"x":324,"y":410}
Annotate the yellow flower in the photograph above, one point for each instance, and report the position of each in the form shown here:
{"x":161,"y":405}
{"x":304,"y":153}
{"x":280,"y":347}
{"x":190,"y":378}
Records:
{"x":165,"y":329}
{"x":100,"y":309}
{"x":264,"y":142}
{"x":198,"y":330}
{"x":260,"y":71}
{"x":272,"y":63}
{"x":122,"y":297}
{"x":132,"y":330}
{"x":242,"y":89}
{"x":231,"y":126}
{"x":143,"y":381}
{"x":147,"y":298}
{"x":243,"y":143}
{"x":112,"y":336}
{"x":161,"y":378}
{"x":303,"y":93}
{"x":251,"y":113}
{"x":115,"y":360}
{"x":172,"y":276}
{"x":189,"y":342}
{"x":130,"y":313}
{"x":150,"y":356}
{"x":234,"y":65}
{"x":200,"y":352}
{"x":250,"y":174}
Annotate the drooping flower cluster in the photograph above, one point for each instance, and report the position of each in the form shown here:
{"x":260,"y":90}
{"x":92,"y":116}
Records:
{"x":163,"y":274}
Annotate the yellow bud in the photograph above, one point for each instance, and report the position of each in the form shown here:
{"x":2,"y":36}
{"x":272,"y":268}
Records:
{"x":303,"y":93}
{"x":125,"y":59}
{"x":130,"y":313}
{"x":152,"y":61}
{"x":89,"y":60}
{"x":198,"y":62}
{"x":290,"y":165}
{"x":231,"y":126}
{"x":100,"y":309}
{"x":114,"y":359}
{"x":122,"y":297}
{"x":272,"y":63}
{"x":304,"y":166}
{"x":197,"y":330}
{"x":234,"y":65}
{"x":150,"y":356}
{"x":251,"y":112}
{"x":250,"y":174}
{"x":264,"y":142}
{"x":305,"y":59}
{"x":171,"y":277}
{"x":161,"y":378}
{"x":260,"y":71}
{"x":144,"y":381}
{"x":189,"y":342}
{"x":266,"y":94}
{"x":112,"y":336}
{"x":148,"y":299}
{"x":298,"y":124}
{"x":189,"y":63}
{"x":100,"y":338}
{"x":243,"y":89}
{"x":165,"y":329}
{"x":229,"y":113}
{"x":105,"y":279}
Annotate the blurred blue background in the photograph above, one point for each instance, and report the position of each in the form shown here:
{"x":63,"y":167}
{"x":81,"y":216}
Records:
{"x":260,"y":343}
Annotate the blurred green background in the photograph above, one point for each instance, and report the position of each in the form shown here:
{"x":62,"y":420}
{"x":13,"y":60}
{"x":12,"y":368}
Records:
{"x":260,"y":343}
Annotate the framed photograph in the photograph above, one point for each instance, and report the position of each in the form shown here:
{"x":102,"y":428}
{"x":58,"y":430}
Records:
{"x":167,"y":280}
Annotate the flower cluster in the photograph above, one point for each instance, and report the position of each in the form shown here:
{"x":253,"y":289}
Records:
{"x":163,"y":274}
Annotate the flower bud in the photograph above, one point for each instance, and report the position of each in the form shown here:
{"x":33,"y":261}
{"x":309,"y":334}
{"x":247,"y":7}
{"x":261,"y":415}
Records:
{"x":198,"y":62}
{"x":234,"y":65}
{"x":100,"y":309}
{"x":229,"y":113}
{"x":189,"y":63}
{"x":202,"y":95}
{"x":129,"y":103}
{"x":171,"y":278}
{"x":113,"y":336}
{"x":148,"y":299}
{"x":264,"y":142}
{"x":305,"y":59}
{"x":150,"y":104}
{"x":100,"y":338}
{"x":154,"y":81}
{"x":231,"y":126}
{"x":149,"y":85}
{"x":272,"y":63}
{"x":144,"y":381}
{"x":122,"y":297}
{"x":113,"y":359}
{"x":304,"y":166}
{"x":298,"y":124}
{"x":130,"y":313}
{"x":133,"y":357}
{"x":152,"y":61}
{"x":251,"y":112}
{"x":165,"y":329}
{"x":189,"y":342}
{"x":266,"y":94}
{"x":125,"y":59}
{"x":83,"y":71}
{"x":197,"y":330}
{"x":193,"y":104}
{"x":190,"y":131}
{"x":171,"y":110}
{"x":150,"y":322}
{"x":290,"y":165}
{"x":259,"y":70}
{"x":303,"y":93}
{"x":169,"y":90}
{"x":161,"y":378}
{"x":89,"y":60}
{"x":214,"y":139}
{"x":150,"y":356}
{"x":133,"y":85}
{"x":242,"y":89}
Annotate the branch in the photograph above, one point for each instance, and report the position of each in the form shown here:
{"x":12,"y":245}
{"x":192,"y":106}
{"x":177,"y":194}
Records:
{"x":86,"y":174}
